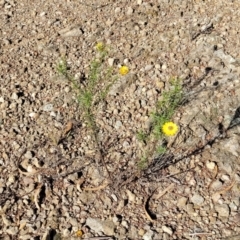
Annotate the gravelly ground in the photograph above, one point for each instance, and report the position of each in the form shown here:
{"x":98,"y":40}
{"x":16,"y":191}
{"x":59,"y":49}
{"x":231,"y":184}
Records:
{"x":50,"y":187}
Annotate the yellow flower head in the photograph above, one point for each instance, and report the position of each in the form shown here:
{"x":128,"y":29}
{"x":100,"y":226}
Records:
{"x":123,"y":70}
{"x":79,"y":233}
{"x":169,"y":128}
{"x":100,"y":46}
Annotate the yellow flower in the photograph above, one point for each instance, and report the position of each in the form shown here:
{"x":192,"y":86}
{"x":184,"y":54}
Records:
{"x":100,"y":46}
{"x":123,"y":70}
{"x":169,"y":128}
{"x":79,"y":233}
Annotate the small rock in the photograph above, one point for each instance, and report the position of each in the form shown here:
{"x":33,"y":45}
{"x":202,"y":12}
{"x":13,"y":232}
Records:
{"x":216,"y":185}
{"x":95,"y":224}
{"x":126,"y":144}
{"x":233,"y":207}
{"x":159,"y":84}
{"x":148,"y":235}
{"x":108,"y":227}
{"x":28,"y":155}
{"x":14,"y":96}
{"x":12,"y":230}
{"x":117,"y":10}
{"x":125,"y":224}
{"x":114,"y":197}
{"x":197,"y":199}
{"x":115,"y":219}
{"x":225,"y":178}
{"x":164,"y":66}
{"x":148,"y":67}
{"x":222,"y":210}
{"x":141,"y":232}
{"x":129,"y":11}
{"x":67,"y":89}
{"x":118,"y":124}
{"x":182,"y":202}
{"x":32,"y":115}
{"x":216,"y":196}
{"x":131,"y":196}
{"x":48,"y":107}
{"x":167,"y":230}
{"x":190,"y":209}
{"x":111,"y":62}
{"x":98,"y":226}
{"x":210,"y":165}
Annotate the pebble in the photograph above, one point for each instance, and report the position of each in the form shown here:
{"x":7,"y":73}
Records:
{"x":197,"y":199}
{"x":182,"y":202}
{"x":14,"y":96}
{"x":129,"y":11}
{"x":167,"y":230}
{"x":190,"y":209}
{"x":12,"y":230}
{"x":148,"y":67}
{"x":216,"y":185}
{"x":131,"y":196}
{"x":28,"y":155}
{"x":110,"y":62}
{"x":148,"y":235}
{"x":67,"y":89}
{"x":117,"y":10}
{"x":124,"y":223}
{"x":95,"y":224}
{"x":225,"y":178}
{"x":48,"y":107}
{"x":118,"y":124}
{"x":210,"y":165}
{"x":164,"y":66}
{"x":141,"y":232}
{"x":222,"y":210}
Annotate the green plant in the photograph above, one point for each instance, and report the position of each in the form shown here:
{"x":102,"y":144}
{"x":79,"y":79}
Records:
{"x":165,"y":108}
{"x":99,"y":80}
{"x":143,"y":163}
{"x":142,"y":136}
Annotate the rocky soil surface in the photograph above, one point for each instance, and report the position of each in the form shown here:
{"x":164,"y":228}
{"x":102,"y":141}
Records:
{"x":53,"y":184}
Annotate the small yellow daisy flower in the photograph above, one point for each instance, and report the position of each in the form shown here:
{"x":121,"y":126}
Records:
{"x":123,"y":70}
{"x":100,"y":46}
{"x":79,"y":233}
{"x":169,"y":128}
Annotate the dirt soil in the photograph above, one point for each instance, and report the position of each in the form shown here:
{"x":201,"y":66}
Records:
{"x":57,"y":183}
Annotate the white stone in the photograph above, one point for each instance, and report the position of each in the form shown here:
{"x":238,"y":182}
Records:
{"x":28,"y":155}
{"x":48,"y":107}
{"x":148,"y":235}
{"x":148,"y":67}
{"x":117,"y":10}
{"x":129,"y":11}
{"x":118,"y":124}
{"x":210,"y":165}
{"x":14,"y":96}
{"x":197,"y":199}
{"x":110,"y":62}
{"x":125,"y":224}
{"x":164,"y":66}
{"x":131,"y":196}
{"x":167,"y":230}
{"x":95,"y":224}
